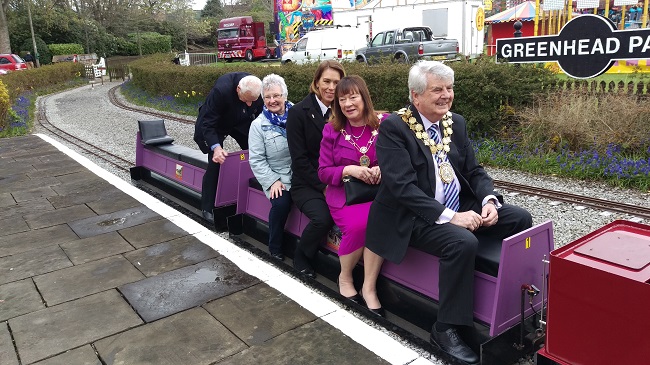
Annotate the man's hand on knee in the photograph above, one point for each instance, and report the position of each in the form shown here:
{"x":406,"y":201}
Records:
{"x":470,"y":220}
{"x":489,"y":215}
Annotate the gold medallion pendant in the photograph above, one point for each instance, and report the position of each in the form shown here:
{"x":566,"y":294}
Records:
{"x":446,"y":172}
{"x":364,"y":161}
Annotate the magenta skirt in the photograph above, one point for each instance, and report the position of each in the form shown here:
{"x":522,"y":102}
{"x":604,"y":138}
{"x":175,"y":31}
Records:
{"x":352,"y":220}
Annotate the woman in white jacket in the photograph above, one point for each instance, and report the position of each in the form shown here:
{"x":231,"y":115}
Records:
{"x":269,"y":157}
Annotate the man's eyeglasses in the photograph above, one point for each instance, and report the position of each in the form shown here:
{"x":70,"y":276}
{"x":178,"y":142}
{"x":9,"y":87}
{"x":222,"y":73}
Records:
{"x":274,"y":96}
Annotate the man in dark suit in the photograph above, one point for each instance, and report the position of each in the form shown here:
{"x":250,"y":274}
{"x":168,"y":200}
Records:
{"x":230,"y":107}
{"x":435,"y":196}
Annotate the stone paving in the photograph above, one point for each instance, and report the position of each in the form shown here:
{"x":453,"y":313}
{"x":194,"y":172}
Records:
{"x":88,"y":275}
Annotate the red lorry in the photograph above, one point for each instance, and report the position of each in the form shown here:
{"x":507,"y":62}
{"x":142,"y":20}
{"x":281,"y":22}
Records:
{"x":241,"y":37}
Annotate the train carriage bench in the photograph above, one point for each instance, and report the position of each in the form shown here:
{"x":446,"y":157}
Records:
{"x":501,"y":268}
{"x":156,"y":152}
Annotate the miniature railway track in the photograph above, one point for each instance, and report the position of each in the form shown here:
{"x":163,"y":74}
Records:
{"x":115,"y":101}
{"x":113,"y":159}
{"x":595,"y":203}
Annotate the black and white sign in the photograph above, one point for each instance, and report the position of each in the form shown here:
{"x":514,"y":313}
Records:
{"x":587,"y":46}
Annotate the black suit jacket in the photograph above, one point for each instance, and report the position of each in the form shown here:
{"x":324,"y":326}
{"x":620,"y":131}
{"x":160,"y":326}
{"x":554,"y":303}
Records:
{"x":223,"y":111}
{"x":305,"y":124}
{"x":407,"y":189}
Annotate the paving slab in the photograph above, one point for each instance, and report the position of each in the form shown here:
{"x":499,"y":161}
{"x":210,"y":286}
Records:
{"x":18,"y":298}
{"x":174,"y":291}
{"x":6,"y":199}
{"x":105,"y":223}
{"x":31,"y":263}
{"x":83,"y":175}
{"x":170,"y":255}
{"x":37,"y":238}
{"x":110,"y":203}
{"x":55,"y":156}
{"x":58,"y":216}
{"x":78,"y":187}
{"x":84,"y":355}
{"x":150,"y":233}
{"x":191,"y":337}
{"x":82,"y":280}
{"x":258,"y":313}
{"x":56,"y":329}
{"x":31,"y":194}
{"x":23,"y":182}
{"x":333,"y":348}
{"x":7,"y":352}
{"x":20,"y":209}
{"x":11,"y":225}
{"x":95,"y":248}
{"x":57,"y":168}
{"x":13,"y":168}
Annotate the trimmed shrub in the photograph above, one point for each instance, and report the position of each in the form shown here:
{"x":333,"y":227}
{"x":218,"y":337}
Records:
{"x":487,"y":94}
{"x":44,"y":54}
{"x":151,"y":42}
{"x":4,"y":105}
{"x":65,"y":49}
{"x":42,"y":77}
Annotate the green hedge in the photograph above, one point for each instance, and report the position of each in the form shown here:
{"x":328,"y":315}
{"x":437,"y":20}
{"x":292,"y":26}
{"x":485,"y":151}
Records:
{"x":151,"y":42}
{"x":487,"y":94}
{"x":42,"y":77}
{"x":65,"y":49}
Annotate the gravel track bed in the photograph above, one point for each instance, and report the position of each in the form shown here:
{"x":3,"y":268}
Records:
{"x":87,"y":113}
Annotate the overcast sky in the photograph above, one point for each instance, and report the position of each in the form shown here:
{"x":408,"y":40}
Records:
{"x":198,"y":4}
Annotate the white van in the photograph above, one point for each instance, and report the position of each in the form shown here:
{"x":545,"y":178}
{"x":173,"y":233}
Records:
{"x":326,"y":44}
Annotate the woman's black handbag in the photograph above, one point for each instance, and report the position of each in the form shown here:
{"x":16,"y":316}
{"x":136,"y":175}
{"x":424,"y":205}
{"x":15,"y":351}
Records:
{"x":357,"y":191}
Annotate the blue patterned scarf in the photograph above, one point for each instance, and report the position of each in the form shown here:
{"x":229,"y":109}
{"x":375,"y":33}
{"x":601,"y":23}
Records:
{"x":278,"y":120}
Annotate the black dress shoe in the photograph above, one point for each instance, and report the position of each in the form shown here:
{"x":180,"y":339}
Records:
{"x":357,"y":298}
{"x":378,"y":311}
{"x":208,"y":216}
{"x":307,"y":272}
{"x":278,"y":256}
{"x":450,"y":342}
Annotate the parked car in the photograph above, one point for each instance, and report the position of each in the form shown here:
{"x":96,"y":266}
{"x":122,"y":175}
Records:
{"x":326,"y":44}
{"x":12,"y":62}
{"x":408,"y":45}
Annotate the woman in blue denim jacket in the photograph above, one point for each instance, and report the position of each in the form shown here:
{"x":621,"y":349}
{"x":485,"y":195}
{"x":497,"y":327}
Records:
{"x":269,"y":157}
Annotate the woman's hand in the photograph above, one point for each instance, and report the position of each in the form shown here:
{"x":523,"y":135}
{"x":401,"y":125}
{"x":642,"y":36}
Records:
{"x":276,"y":189}
{"x":360,"y":172}
{"x":375,"y":175}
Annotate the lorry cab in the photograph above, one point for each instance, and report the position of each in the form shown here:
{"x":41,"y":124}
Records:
{"x":326,"y":44}
{"x":241,"y":37}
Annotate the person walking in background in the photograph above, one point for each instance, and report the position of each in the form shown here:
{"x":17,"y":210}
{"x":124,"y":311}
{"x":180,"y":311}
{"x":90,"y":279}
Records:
{"x":29,"y":60}
{"x":269,"y":158}
{"x":230,"y":107}
{"x":435,"y":196}
{"x":348,"y":149}
{"x":304,"y":133}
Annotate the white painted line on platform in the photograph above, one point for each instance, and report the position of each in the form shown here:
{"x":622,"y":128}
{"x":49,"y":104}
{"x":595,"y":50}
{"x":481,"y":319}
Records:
{"x":374,"y":340}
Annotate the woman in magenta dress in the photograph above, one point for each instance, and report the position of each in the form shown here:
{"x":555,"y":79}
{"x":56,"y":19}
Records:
{"x":347,"y":149}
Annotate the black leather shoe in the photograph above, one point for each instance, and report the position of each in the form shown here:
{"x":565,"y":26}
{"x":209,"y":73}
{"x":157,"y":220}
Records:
{"x":307,"y":272}
{"x":278,"y":256}
{"x":450,"y":342}
{"x":208,"y":216}
{"x":378,"y":311}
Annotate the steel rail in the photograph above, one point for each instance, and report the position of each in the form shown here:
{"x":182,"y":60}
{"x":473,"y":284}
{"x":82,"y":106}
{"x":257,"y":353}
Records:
{"x":596,"y":203}
{"x":115,"y":101}
{"x":41,"y":117}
